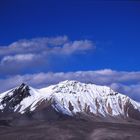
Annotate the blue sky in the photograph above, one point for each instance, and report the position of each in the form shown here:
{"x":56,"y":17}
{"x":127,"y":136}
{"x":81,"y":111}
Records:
{"x":97,"y":39}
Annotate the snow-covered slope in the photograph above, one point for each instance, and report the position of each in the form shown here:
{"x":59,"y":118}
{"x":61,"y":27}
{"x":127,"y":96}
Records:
{"x":70,"y":98}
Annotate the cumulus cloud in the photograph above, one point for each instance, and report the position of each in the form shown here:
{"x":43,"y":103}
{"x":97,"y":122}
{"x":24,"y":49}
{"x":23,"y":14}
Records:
{"x":77,"y":46}
{"x":47,"y":45}
{"x":12,"y":64}
{"x":34,"y":52}
{"x":125,"y":82}
{"x":38,"y":52}
{"x":34,"y":45}
{"x":18,"y":58}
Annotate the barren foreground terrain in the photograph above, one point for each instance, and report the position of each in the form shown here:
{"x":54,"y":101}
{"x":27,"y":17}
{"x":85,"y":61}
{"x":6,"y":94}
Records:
{"x":70,"y":129}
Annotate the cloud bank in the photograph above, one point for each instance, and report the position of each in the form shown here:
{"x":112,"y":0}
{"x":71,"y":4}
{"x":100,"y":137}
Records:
{"x":26,"y":55}
{"x":125,"y":82}
{"x":36,"y":52}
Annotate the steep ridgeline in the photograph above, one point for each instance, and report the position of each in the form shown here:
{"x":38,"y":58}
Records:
{"x":70,"y":98}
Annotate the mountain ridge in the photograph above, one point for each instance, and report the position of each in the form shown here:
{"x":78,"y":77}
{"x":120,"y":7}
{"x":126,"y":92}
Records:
{"x":70,"y":98}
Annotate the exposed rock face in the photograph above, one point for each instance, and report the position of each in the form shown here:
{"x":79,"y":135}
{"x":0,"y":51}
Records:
{"x":11,"y":100}
{"x":131,"y":111}
{"x":69,"y":98}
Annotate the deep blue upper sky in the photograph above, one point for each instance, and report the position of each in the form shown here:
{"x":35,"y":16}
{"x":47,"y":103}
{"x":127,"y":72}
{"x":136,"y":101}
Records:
{"x":60,"y":38}
{"x":113,"y":26}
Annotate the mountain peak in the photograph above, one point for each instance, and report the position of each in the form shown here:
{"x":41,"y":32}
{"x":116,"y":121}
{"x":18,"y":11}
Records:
{"x":23,"y":85}
{"x":71,"y":97}
{"x":14,"y":97}
{"x":69,"y":82}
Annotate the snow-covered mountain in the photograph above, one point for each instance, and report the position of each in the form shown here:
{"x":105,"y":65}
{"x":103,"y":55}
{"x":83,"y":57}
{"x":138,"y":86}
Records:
{"x":70,"y":98}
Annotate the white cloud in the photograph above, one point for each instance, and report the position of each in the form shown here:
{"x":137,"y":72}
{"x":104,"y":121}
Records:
{"x":36,"y":52}
{"x":21,"y":55}
{"x":77,"y":46}
{"x":48,"y":45}
{"x":18,"y":58}
{"x":34,"y":45}
{"x":125,"y":82}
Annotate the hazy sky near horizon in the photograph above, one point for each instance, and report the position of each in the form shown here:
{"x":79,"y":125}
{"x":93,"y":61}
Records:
{"x":45,"y":41}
